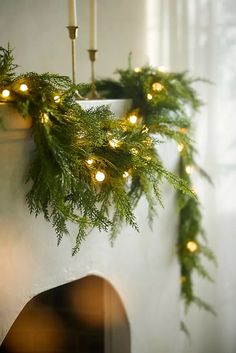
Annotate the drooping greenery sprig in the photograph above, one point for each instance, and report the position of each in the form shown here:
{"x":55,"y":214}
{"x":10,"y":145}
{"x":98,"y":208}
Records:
{"x":165,"y":103}
{"x":91,"y":168}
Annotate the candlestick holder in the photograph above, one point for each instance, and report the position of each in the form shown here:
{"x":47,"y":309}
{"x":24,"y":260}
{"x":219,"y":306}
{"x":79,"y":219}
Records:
{"x":73,"y":33}
{"x":93,"y":94}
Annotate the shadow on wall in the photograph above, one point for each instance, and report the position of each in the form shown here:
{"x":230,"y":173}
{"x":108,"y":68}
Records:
{"x":84,"y":316}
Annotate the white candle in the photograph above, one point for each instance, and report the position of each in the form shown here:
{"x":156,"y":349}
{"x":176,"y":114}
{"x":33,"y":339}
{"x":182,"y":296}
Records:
{"x":93,"y":25}
{"x":72,"y":18}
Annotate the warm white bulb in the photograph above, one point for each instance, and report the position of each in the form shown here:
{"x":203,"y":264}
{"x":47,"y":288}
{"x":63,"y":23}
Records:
{"x":149,"y":96}
{"x":5,"y":93}
{"x":183,"y":130}
{"x":56,"y":99}
{"x":114,"y":143}
{"x":156,"y":86}
{"x":180,"y":147}
{"x":189,"y":169}
{"x":192,"y":246}
{"x":133,"y":119}
{"x":100,"y":176}
{"x":90,"y":161}
{"x":125,"y":175}
{"x":137,"y":69}
{"x":23,"y":87}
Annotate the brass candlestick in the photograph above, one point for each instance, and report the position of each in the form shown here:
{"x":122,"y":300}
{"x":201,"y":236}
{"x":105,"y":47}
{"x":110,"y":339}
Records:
{"x":93,"y":94}
{"x":73,"y":33}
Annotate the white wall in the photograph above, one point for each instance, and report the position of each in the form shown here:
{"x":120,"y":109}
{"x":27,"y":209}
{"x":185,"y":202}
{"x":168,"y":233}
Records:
{"x":37,"y":30}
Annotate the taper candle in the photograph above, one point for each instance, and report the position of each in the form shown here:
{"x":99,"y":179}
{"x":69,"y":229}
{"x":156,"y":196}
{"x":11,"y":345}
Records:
{"x":72,"y":18}
{"x":93,"y":25}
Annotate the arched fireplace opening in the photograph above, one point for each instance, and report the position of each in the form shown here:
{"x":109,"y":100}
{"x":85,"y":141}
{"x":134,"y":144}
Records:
{"x":84,"y":316}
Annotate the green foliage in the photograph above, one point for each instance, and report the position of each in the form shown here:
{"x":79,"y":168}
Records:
{"x":72,"y":145}
{"x":63,"y":185}
{"x":167,"y":113}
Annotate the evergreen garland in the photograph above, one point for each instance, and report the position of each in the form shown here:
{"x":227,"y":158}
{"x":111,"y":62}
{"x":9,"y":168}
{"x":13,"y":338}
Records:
{"x":91,"y":168}
{"x":164,"y":102}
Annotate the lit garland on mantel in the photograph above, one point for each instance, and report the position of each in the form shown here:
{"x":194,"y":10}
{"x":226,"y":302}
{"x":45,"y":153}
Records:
{"x":91,"y":168}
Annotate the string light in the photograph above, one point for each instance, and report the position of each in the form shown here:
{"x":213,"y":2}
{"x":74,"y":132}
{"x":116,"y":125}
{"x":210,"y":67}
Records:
{"x":100,"y":176}
{"x":183,"y":130}
{"x":192,"y":246}
{"x":57,"y":99}
{"x":114,"y":143}
{"x":89,"y":161}
{"x":137,"y":69}
{"x":149,"y":96}
{"x":6,"y":93}
{"x":156,"y":86}
{"x":44,"y":118}
{"x":194,"y":190}
{"x":133,"y":119}
{"x":23,"y":87}
{"x":189,"y":169}
{"x":125,"y":174}
{"x":180,"y":147}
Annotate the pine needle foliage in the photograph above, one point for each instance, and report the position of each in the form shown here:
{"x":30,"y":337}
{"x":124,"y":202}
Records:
{"x":63,"y":182}
{"x":165,"y":103}
{"x":72,"y":145}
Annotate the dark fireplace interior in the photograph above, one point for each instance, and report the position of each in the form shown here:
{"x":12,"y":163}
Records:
{"x":83,"y":316}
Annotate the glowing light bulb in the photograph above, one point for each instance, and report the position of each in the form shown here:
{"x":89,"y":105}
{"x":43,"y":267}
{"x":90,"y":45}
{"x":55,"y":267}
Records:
{"x":44,"y":118}
{"x":114,"y":143}
{"x":133,"y":119}
{"x":89,"y":161}
{"x":149,"y":96}
{"x":57,"y":99}
{"x":189,"y":169}
{"x":162,"y":68}
{"x":23,"y":87}
{"x":183,"y":130}
{"x":5,"y":93}
{"x":180,"y":147}
{"x":156,"y":86}
{"x":125,"y":174}
{"x":192,"y":246}
{"x":137,"y":69}
{"x":100,"y":176}
{"x":194,"y":190}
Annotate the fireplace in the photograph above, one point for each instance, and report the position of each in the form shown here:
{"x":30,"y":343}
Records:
{"x":86,"y":316}
{"x":142,"y":269}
